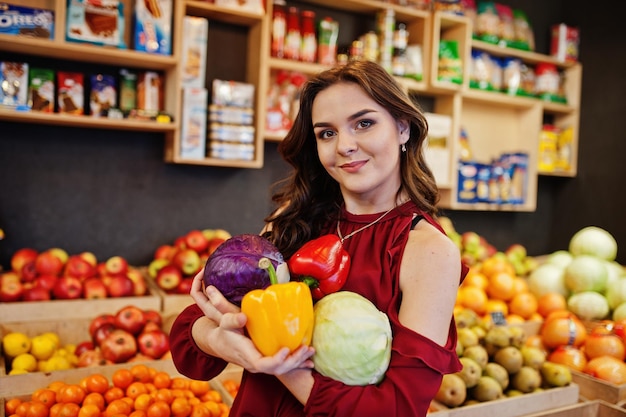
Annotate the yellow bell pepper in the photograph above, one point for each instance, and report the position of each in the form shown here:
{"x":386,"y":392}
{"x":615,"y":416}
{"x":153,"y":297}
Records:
{"x":280,"y":315}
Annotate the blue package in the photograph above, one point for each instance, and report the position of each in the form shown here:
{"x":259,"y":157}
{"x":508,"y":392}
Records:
{"x":96,"y":22}
{"x":466,"y":188}
{"x":153,"y":26}
{"x":26,"y":21}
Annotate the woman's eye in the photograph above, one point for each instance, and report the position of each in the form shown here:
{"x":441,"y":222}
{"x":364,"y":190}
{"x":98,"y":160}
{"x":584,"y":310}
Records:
{"x":325,"y":134}
{"x":362,"y":124}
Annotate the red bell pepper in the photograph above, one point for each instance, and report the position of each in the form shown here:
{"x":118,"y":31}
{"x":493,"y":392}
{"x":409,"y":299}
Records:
{"x":321,"y":263}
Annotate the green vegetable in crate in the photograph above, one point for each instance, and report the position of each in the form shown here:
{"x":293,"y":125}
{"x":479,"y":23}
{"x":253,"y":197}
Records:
{"x":352,"y":339}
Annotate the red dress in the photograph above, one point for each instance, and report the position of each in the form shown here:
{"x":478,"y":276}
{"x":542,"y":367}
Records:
{"x":417,"y":363}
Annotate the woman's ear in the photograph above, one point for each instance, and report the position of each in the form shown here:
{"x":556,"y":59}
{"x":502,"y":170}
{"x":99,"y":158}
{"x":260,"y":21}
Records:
{"x":404,"y":128}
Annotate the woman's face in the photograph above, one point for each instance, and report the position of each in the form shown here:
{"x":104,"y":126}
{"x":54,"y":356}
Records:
{"x":358,"y":143}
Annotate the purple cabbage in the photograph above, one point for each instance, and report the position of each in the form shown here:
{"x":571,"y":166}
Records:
{"x":233,"y":268}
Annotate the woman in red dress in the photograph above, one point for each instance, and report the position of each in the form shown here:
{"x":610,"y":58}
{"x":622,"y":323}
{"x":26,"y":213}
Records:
{"x":356,"y":149}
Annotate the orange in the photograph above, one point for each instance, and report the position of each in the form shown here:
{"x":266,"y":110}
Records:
{"x":521,"y":284}
{"x":141,"y":373}
{"x":22,"y":408}
{"x":56,"y":385}
{"x":212,"y":395}
{"x":55,"y":410}
{"x":473,"y":298}
{"x":201,"y":410}
{"x":159,"y":409}
{"x":496,"y":264}
{"x":214,"y":408}
{"x":514,"y":319}
{"x":524,"y":304}
{"x":118,"y":407}
{"x":137,"y":413}
{"x":71,"y":393}
{"x":607,"y":368}
{"x":536,"y":341}
{"x":143,"y":401}
{"x":165,"y":395}
{"x":501,"y":286}
{"x":69,"y":410}
{"x":96,"y":383}
{"x":135,"y":389}
{"x":11,"y":405}
{"x":96,"y":399}
{"x":494,"y":305}
{"x":161,"y":380}
{"x":37,"y":409}
{"x":180,"y":407}
{"x":113,"y":393}
{"x":475,"y":278}
{"x":599,"y":343}
{"x":122,"y":378}
{"x":89,"y":410}
{"x":549,"y":302}
{"x":562,"y":328}
{"x":199,"y":387}
{"x":180,"y":383}
{"x":45,"y":396}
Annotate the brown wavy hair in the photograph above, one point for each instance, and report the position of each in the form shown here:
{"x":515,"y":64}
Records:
{"x":309,"y":199}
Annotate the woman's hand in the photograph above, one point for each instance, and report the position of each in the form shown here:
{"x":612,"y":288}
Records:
{"x":224,"y":335}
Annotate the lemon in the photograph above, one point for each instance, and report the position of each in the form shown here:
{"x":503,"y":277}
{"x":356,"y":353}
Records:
{"x":42,"y":347}
{"x":25,"y":362}
{"x":57,"y":363}
{"x":54,"y":337}
{"x":15,"y":343}
{"x":17,"y":372}
{"x":70,"y":347}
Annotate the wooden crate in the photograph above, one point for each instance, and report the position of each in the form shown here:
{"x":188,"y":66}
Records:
{"x":515,"y":406}
{"x":592,"y":388}
{"x":64,"y":309}
{"x":595,"y":408}
{"x":170,"y":303}
{"x":70,"y":331}
{"x":231,"y":371}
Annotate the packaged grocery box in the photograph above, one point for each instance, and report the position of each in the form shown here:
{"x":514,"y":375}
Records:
{"x":13,"y":83}
{"x":26,"y":21}
{"x":41,"y":90}
{"x":153,"y":26}
{"x":564,"y":46}
{"x":150,"y":92}
{"x":195,"y":34}
{"x":193,"y":123}
{"x":99,"y":22}
{"x":127,"y":90}
{"x":102,"y":94}
{"x":71,"y":90}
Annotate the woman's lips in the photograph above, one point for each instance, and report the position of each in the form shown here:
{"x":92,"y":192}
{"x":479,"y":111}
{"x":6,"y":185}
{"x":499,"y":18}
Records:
{"x":352,"y":166}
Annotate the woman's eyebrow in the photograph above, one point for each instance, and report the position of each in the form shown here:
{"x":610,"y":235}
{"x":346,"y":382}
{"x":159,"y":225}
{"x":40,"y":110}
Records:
{"x":354,"y":116}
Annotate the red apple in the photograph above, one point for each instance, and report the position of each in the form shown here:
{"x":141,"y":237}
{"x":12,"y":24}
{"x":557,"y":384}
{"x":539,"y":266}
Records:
{"x":179,"y":243}
{"x":46,"y":281}
{"x":47,"y":263}
{"x":155,"y":265}
{"x":28,"y":272}
{"x":83,"y":346}
{"x":89,"y":257}
{"x":214,"y":243}
{"x":79,"y":267}
{"x":103,"y":332}
{"x":140,"y":286}
{"x":67,"y":288}
{"x":119,"y":346}
{"x":188,"y":261}
{"x":21,"y":257}
{"x":99,"y":321}
{"x":92,"y":357}
{"x":153,"y":316}
{"x":11,"y":290}
{"x":116,"y":265}
{"x":36,"y":293}
{"x":93,"y":288}
{"x":164,"y":252}
{"x":119,"y":286}
{"x":169,"y":277}
{"x":131,"y":319}
{"x":150,"y":326}
{"x":185,"y":286}
{"x":153,"y":344}
{"x":195,"y":240}
{"x":101,"y":269}
{"x":60,"y":253}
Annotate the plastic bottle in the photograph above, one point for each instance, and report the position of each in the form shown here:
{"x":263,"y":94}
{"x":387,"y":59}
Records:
{"x":308,"y":47}
{"x":279,"y":28}
{"x":293,"y":38}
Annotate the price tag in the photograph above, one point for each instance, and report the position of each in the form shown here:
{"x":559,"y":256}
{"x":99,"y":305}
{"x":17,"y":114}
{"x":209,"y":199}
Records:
{"x":498,"y":318}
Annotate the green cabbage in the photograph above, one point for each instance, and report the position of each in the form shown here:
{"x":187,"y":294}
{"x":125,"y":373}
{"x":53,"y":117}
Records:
{"x":595,"y":241}
{"x":352,"y":339}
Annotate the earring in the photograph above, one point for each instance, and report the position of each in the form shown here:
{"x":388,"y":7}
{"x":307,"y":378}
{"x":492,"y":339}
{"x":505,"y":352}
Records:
{"x":403,"y":147}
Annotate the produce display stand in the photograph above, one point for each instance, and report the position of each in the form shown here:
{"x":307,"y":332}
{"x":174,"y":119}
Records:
{"x":63,"y":309}
{"x":595,"y":408}
{"x":518,"y":406}
{"x":592,"y":388}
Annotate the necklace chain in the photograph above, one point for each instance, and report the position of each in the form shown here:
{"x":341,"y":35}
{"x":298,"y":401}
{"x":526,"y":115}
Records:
{"x":342,"y":238}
